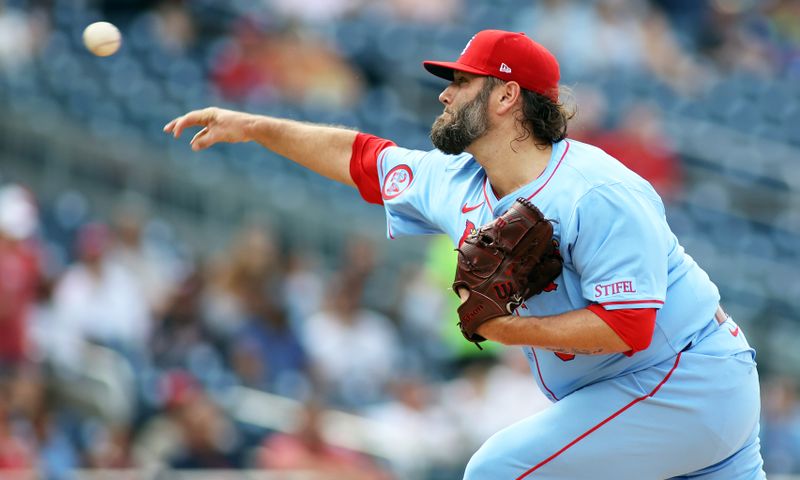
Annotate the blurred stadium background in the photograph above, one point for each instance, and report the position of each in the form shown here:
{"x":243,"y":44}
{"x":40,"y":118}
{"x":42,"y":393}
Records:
{"x":164,"y":313}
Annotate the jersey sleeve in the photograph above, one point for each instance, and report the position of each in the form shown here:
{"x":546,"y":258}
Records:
{"x":404,"y":181}
{"x":364,"y":165}
{"x":634,"y":326}
{"x":411,"y":181}
{"x":618,"y":247}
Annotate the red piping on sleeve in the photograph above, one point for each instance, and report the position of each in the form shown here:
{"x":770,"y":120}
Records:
{"x":632,"y":302}
{"x":364,"y":165}
{"x":634,"y":326}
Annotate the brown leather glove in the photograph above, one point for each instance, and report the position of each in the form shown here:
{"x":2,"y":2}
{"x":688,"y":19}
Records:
{"x":503,"y":263}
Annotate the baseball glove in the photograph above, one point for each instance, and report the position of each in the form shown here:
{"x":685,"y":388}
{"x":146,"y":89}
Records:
{"x":503,"y":263}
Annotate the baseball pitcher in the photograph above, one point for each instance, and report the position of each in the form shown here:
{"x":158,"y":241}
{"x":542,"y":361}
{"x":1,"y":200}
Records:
{"x":562,"y":251}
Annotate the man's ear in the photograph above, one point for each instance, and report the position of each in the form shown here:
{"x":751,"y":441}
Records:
{"x":510,"y":94}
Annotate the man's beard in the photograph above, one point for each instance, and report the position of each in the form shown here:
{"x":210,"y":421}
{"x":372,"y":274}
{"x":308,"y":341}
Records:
{"x":468,"y":124}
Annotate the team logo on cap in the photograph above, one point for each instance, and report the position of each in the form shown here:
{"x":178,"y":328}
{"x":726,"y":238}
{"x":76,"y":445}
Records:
{"x":397,"y":181}
{"x":468,"y":44}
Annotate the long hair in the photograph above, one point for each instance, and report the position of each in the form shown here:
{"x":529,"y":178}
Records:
{"x":542,"y":118}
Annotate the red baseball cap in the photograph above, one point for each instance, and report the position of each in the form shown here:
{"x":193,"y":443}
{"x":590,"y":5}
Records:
{"x":507,"y":56}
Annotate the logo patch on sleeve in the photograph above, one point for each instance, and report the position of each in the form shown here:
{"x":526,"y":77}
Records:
{"x":397,"y":181}
{"x":614,"y":287}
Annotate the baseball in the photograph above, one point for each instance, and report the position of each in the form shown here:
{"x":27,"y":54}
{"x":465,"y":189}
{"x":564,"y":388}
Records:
{"x":102,"y":38}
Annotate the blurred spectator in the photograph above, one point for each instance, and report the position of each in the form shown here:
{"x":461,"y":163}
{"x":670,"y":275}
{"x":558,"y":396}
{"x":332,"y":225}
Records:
{"x":498,"y":394}
{"x":314,"y":12}
{"x":237,"y":70}
{"x":734,"y":40}
{"x":310,"y":71}
{"x":22,"y":32}
{"x":174,"y":27}
{"x":208,"y":437}
{"x":666,"y":58}
{"x":303,"y":286}
{"x":638,"y":142}
{"x":19,"y":272}
{"x":307,"y":451}
{"x":33,"y":404}
{"x":191,"y":433}
{"x":610,"y":26}
{"x":354,"y":351}
{"x":423,"y":11}
{"x":632,"y":35}
{"x":181,"y":329}
{"x":782,"y":18}
{"x":780,"y":426}
{"x":99,"y":300}
{"x":267,"y":355}
{"x":239,"y":282}
{"x":359,"y":256}
{"x":422,"y":309}
{"x":150,"y":269}
{"x":424,"y":436}
{"x":293,"y":65}
{"x":15,"y":452}
{"x":159,"y":437}
{"x":689,"y":17}
{"x":108,"y":446}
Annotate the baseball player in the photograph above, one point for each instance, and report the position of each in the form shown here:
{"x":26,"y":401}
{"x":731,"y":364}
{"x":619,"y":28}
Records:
{"x":649,"y":378}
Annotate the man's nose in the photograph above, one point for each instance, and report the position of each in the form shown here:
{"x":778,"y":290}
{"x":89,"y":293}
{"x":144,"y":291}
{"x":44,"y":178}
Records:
{"x":446,"y":97}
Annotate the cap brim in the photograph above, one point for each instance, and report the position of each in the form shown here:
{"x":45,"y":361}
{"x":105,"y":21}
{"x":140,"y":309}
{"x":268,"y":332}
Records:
{"x":445,"y":69}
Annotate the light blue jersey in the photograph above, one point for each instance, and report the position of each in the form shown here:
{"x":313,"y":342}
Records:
{"x":612,"y":232}
{"x":618,"y":252}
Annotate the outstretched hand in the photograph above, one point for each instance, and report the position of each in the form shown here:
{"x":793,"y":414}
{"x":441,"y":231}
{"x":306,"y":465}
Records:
{"x":218,"y":126}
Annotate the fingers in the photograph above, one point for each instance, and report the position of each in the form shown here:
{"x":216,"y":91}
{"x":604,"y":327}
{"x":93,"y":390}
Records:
{"x":168,"y":127}
{"x":191,"y":119}
{"x":464,"y":294}
{"x":201,"y":140}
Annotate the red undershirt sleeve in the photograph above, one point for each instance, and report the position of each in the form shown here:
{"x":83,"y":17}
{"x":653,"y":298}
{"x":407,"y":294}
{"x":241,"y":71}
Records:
{"x":634,"y":326}
{"x":364,"y":165}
